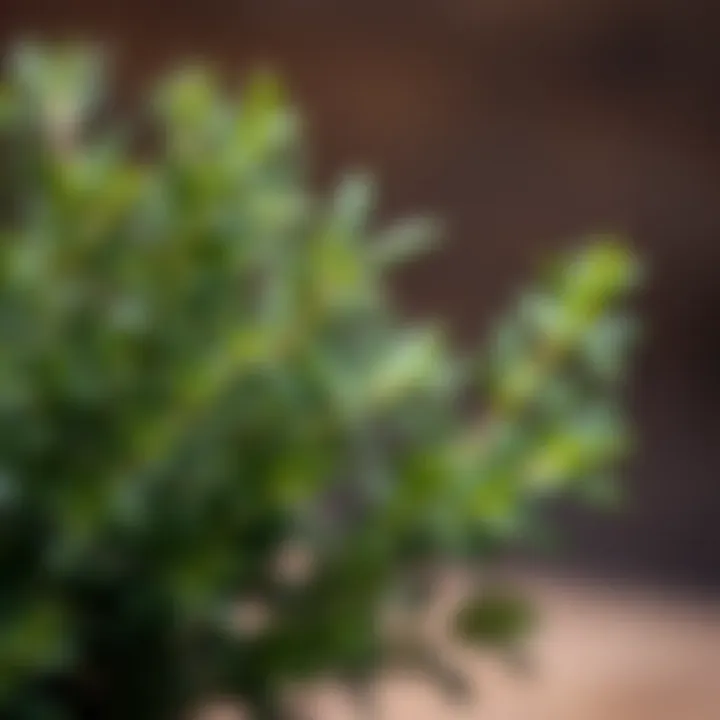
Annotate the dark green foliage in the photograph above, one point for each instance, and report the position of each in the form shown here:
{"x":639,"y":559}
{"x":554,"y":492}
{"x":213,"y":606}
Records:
{"x":202,"y":372}
{"x":498,"y":618}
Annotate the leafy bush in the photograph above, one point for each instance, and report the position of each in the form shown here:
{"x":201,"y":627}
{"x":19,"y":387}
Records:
{"x":203,"y":374}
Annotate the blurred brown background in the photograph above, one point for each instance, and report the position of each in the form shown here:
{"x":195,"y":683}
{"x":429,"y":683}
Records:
{"x":524,"y":123}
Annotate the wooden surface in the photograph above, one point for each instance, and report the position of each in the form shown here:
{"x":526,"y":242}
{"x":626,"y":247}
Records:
{"x":602,"y":654}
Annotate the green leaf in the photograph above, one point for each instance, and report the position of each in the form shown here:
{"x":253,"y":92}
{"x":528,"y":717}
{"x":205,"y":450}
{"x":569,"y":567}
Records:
{"x":353,"y":204}
{"x":495,"y":619}
{"x":409,"y":365}
{"x":62,"y":90}
{"x":598,"y":274}
{"x":404,"y":241}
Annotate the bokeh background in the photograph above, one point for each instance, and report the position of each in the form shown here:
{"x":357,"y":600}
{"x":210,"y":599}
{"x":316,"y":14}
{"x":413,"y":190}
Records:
{"x":524,"y":124}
